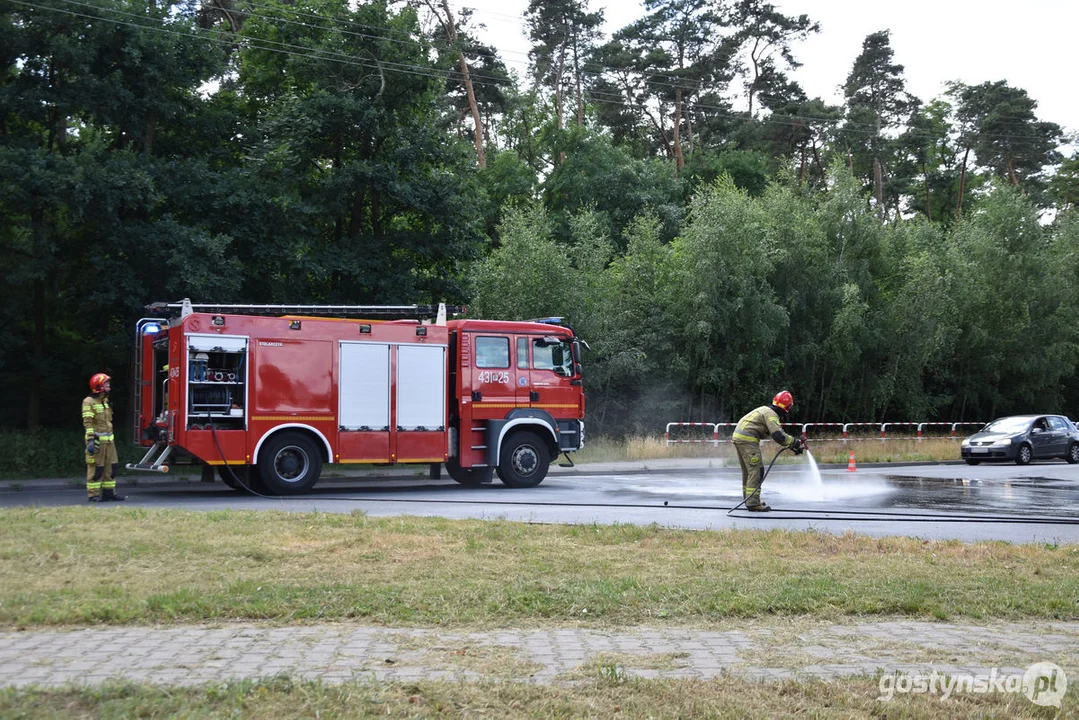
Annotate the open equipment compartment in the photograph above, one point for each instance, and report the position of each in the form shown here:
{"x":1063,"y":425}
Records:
{"x":217,"y":380}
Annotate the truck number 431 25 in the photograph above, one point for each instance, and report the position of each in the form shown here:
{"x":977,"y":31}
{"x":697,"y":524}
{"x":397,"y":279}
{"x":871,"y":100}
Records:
{"x":494,"y":377}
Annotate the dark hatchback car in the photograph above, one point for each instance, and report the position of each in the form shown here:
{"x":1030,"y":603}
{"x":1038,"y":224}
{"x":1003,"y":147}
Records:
{"x":1023,"y":438}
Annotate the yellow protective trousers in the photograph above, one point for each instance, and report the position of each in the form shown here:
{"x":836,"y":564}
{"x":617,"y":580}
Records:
{"x":749,"y":458}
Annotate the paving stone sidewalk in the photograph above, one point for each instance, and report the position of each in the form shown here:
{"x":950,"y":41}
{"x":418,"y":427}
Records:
{"x":199,"y":655}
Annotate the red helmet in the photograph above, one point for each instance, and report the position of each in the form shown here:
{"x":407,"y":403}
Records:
{"x":97,"y":382}
{"x":784,"y":400}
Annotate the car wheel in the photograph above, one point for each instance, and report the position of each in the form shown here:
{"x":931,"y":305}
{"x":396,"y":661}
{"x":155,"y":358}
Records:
{"x":524,"y":460}
{"x":471,"y":477}
{"x":1073,"y":454}
{"x":1023,"y":455}
{"x":289,"y":463}
{"x":972,"y":462}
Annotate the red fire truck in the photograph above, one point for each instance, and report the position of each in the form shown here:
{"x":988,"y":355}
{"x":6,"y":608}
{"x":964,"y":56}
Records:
{"x":270,"y":393}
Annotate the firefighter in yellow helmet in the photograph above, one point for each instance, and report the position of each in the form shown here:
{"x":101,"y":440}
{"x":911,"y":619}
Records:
{"x":101,"y":458}
{"x":756,"y":425}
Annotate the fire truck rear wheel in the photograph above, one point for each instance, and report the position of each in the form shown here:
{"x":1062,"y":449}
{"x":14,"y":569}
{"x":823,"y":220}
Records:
{"x":289,"y":463}
{"x":244,"y":473}
{"x":468,"y":476}
{"x":524,"y":460}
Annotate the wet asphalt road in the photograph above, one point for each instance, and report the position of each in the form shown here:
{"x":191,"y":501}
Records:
{"x":952,"y":501}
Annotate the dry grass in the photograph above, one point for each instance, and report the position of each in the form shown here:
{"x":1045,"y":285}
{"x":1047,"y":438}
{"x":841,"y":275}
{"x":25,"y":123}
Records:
{"x":804,"y":641}
{"x":824,"y":451}
{"x":83,"y":566}
{"x":606,"y":694}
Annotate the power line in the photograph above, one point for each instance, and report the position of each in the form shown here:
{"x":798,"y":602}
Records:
{"x":315,"y":54}
{"x":596,"y":96}
{"x":256,"y":43}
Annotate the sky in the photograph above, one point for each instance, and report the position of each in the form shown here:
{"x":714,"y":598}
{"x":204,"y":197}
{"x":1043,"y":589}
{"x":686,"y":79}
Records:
{"x":1028,"y":44}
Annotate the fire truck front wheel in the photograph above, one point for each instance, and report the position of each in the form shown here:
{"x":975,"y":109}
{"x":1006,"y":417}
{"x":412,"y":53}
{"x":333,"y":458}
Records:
{"x":289,"y":463}
{"x":524,"y":460}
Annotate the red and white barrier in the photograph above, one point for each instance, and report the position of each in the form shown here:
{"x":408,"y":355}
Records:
{"x":884,"y":431}
{"x":714,"y":439}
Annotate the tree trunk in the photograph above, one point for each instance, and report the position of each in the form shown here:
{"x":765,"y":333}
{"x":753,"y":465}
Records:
{"x":962,"y":184}
{"x":1011,"y":170}
{"x":878,"y":185}
{"x":148,"y":136}
{"x":689,"y":132}
{"x":928,"y":205}
{"x":577,"y":82}
{"x":33,"y":405}
{"x":679,"y":161}
{"x":481,"y":158}
{"x":376,"y":213}
{"x":559,"y":99}
{"x":819,"y":164}
{"x":756,"y":74}
{"x":449,"y":26}
{"x":355,"y":225}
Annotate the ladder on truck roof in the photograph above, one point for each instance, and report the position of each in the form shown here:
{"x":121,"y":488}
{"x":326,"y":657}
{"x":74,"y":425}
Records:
{"x":186,"y":307}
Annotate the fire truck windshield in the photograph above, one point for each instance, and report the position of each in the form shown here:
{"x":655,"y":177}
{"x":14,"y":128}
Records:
{"x":552,"y":354}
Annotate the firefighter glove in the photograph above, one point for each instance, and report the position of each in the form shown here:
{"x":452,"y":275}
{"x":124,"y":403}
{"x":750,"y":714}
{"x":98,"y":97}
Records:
{"x":798,"y":446}
{"x":91,"y":446}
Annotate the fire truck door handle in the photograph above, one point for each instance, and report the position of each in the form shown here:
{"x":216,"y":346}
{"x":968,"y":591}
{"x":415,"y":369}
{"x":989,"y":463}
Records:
{"x":577,"y":381}
{"x":477,"y":395}
{"x":533,"y":396}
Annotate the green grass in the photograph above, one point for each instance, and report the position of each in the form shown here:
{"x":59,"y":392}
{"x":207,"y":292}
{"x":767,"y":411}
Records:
{"x":80,"y":566}
{"x":604,"y":693}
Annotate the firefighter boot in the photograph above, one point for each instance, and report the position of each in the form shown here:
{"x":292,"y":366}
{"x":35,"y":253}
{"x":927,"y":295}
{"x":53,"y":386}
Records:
{"x":93,"y":483}
{"x":109,"y":494}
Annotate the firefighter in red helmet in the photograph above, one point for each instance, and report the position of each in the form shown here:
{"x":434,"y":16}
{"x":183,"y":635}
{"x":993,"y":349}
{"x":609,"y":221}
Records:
{"x":101,"y":458}
{"x":763,"y":422}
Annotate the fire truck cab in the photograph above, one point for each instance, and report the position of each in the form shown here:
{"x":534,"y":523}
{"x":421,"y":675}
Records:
{"x":268,"y":394}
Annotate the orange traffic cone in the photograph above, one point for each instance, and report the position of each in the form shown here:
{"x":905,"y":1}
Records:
{"x":851,"y":467}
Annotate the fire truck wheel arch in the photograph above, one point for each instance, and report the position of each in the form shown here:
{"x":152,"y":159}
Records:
{"x":327,"y":454}
{"x":531,"y":419}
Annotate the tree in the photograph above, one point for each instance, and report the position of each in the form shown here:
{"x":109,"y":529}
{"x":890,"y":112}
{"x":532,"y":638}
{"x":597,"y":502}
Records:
{"x":1064,"y":185}
{"x":89,"y":222}
{"x":766,"y":32}
{"x":636,"y":373}
{"x":928,"y":161}
{"x":726,"y":314}
{"x":371,"y":201}
{"x":668,"y":57}
{"x":529,"y":275}
{"x":1015,"y":339}
{"x":563,"y":34}
{"x":604,"y":179}
{"x":999,"y":125}
{"x":877,"y":100}
{"x":442,"y":12}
